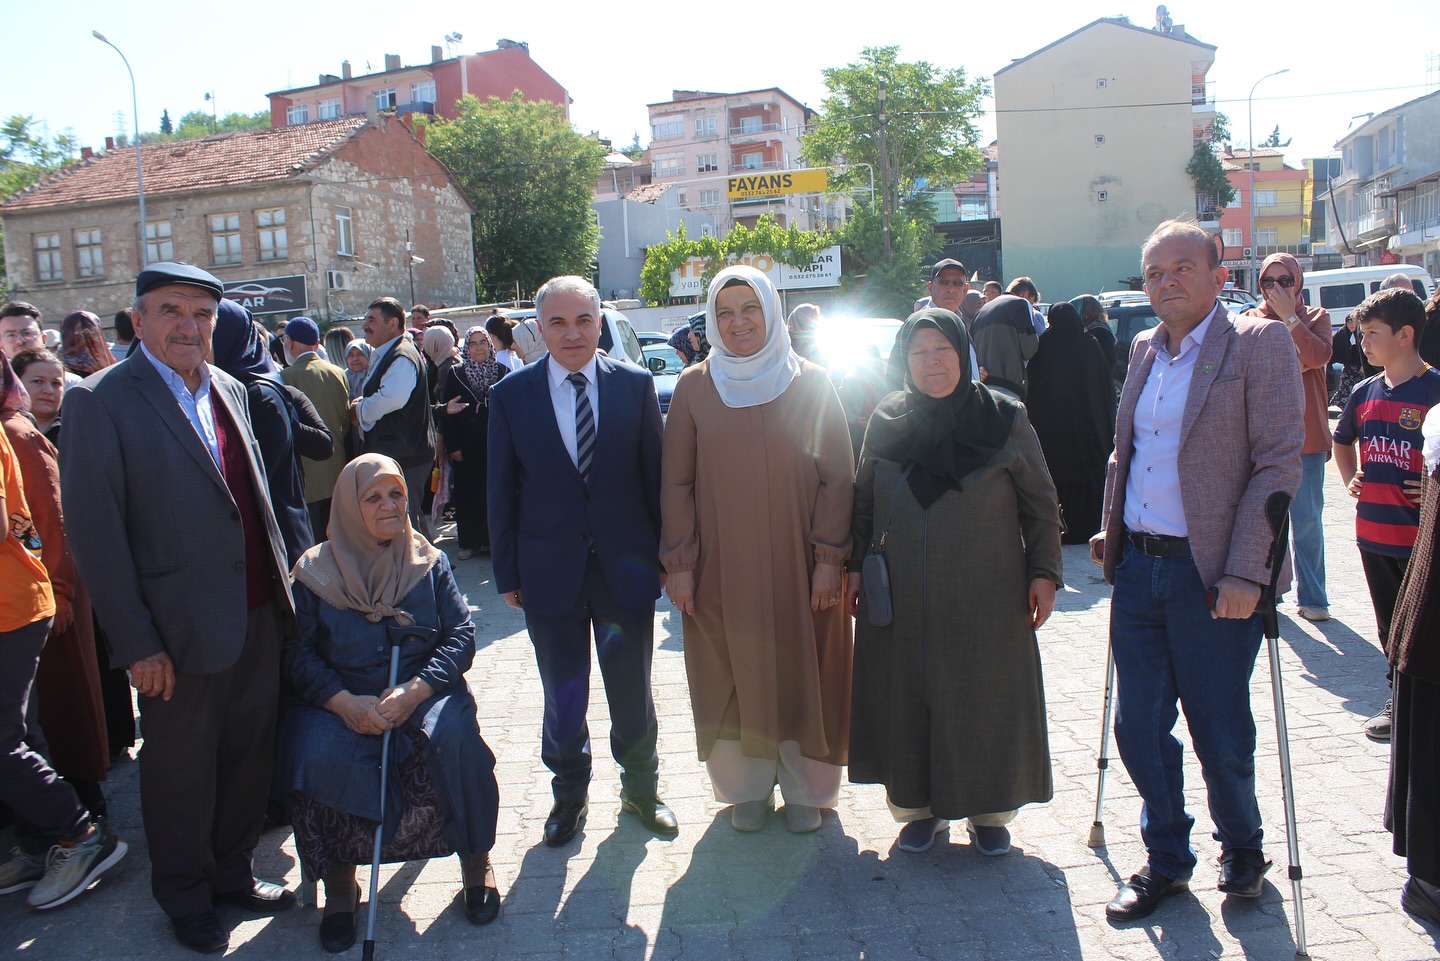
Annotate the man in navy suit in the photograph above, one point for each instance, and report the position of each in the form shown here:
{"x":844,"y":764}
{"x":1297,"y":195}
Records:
{"x":574,"y":497}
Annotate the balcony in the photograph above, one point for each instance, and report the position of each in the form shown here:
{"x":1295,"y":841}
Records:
{"x":738,"y":168}
{"x":1202,"y":96}
{"x":1207,"y":210}
{"x":754,"y":131}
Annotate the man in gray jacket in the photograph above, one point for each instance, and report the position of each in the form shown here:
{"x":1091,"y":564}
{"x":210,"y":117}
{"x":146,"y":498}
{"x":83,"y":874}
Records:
{"x":174,"y":534}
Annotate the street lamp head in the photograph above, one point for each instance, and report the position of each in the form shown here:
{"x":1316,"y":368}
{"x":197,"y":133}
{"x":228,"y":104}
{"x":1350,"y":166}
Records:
{"x":98,"y":36}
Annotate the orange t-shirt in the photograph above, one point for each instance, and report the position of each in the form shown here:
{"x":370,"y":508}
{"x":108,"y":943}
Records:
{"x":27,"y":596}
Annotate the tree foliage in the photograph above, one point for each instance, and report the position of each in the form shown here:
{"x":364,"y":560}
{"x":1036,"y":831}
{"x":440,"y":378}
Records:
{"x":788,"y":245}
{"x":531,"y":178}
{"x":1274,"y":139}
{"x":198,"y":123}
{"x":1205,"y":168}
{"x":165,"y":125}
{"x":930,"y":129}
{"x":888,"y":288}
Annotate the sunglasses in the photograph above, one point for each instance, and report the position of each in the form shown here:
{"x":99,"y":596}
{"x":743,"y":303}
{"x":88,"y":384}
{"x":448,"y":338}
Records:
{"x":1284,"y":280}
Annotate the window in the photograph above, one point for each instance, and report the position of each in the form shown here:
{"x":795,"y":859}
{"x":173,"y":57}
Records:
{"x":270,"y":234}
{"x":1232,"y":237}
{"x":385,"y":99}
{"x":1266,"y":236}
{"x":297,"y":113}
{"x":668,"y":165}
{"x":159,"y":243}
{"x":330,"y":109}
{"x":707,"y":163}
{"x":47,"y":258}
{"x":707,"y":230}
{"x":667,"y":129}
{"x":749,"y":124}
{"x":705,"y":127}
{"x":344,"y":233}
{"x":1102,"y":195}
{"x":1235,"y":200}
{"x":681,"y":199}
{"x":710,"y":198}
{"x":1341,"y":296}
{"x":225,"y":239}
{"x":89,"y":258}
{"x":752,"y":161}
{"x":422,"y":91}
{"x":1264,"y":198}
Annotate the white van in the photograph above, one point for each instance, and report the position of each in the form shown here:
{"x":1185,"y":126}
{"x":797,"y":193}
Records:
{"x":1340,"y":291}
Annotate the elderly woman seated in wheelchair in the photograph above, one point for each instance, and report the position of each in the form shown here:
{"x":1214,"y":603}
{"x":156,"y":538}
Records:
{"x":375,"y":586}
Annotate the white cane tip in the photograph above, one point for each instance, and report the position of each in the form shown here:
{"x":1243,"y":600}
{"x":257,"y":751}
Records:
{"x":1097,"y":835}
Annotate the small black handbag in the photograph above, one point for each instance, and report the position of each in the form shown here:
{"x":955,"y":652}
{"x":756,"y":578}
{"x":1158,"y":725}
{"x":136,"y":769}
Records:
{"x":875,"y":573}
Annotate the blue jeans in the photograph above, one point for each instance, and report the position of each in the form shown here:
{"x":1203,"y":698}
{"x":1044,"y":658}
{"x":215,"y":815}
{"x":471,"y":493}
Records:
{"x":1308,"y":532}
{"x":1169,"y":649}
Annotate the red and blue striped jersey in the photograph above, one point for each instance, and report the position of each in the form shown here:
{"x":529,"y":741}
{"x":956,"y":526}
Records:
{"x":1386,"y":422}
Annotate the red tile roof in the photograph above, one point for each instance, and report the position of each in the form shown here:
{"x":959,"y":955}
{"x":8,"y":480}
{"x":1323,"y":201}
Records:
{"x":224,"y":160}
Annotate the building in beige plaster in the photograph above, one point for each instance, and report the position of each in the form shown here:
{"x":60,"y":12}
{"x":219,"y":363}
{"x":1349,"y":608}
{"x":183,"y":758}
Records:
{"x":1097,"y":129}
{"x":331,"y":206}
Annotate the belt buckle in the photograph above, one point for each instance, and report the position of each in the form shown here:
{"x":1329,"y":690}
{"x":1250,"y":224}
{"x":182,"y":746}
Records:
{"x":1153,"y":545}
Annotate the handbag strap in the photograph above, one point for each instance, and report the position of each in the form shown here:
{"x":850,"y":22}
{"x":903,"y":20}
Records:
{"x":880,"y":549}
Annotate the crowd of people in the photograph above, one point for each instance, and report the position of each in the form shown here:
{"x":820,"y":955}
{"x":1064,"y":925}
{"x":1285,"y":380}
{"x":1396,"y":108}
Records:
{"x":248,"y":541}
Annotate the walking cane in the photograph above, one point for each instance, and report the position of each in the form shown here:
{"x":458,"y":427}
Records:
{"x":1277,"y":512}
{"x":1102,"y":763}
{"x":397,"y":636}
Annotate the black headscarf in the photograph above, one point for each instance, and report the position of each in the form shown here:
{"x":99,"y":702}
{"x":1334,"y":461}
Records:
{"x":237,"y":346}
{"x":941,"y":439}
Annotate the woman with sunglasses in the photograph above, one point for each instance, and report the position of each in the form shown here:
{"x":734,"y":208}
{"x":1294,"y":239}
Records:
{"x":1281,"y":285}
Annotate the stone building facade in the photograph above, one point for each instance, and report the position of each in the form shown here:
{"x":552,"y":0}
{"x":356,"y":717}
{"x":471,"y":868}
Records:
{"x":324,"y":216}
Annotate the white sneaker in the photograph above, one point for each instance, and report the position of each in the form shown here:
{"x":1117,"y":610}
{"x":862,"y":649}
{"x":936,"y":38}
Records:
{"x":69,"y":870}
{"x":1314,"y":613}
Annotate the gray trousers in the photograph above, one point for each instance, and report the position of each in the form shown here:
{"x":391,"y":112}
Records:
{"x":46,"y":808}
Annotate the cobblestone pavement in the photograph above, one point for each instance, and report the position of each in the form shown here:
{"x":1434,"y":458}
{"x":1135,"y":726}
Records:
{"x":846,"y":892}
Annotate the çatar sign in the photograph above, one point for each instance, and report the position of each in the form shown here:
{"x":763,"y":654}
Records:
{"x":269,"y":295}
{"x":822,"y":271}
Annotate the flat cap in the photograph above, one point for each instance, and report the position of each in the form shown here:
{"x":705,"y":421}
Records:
{"x":303,"y":330}
{"x":167,"y":272}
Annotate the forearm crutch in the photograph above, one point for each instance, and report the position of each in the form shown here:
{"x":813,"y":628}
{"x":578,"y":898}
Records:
{"x":1102,"y":763}
{"x":1277,"y":512}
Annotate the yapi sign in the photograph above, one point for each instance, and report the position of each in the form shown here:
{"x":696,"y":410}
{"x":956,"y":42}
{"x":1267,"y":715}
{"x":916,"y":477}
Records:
{"x":269,"y":295}
{"x":822,"y":271}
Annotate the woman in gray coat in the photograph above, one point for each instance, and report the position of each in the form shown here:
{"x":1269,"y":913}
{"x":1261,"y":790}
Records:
{"x":949,"y":706}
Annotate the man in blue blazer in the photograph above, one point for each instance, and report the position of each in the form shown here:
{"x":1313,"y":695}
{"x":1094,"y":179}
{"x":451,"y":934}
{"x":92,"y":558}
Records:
{"x":574,"y":500}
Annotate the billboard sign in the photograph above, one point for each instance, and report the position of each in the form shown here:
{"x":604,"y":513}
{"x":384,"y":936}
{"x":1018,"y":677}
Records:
{"x":761,"y":184}
{"x":269,"y":295}
{"x":822,"y":271}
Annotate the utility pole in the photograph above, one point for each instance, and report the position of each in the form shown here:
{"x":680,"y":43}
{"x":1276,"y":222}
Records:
{"x":884,"y":177}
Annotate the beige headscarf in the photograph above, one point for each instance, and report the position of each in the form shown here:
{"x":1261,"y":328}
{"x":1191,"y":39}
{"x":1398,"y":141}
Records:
{"x":438,"y":344}
{"x":350,"y":570}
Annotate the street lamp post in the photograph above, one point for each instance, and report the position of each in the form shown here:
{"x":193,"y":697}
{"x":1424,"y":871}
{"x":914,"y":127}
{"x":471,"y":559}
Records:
{"x":139,"y":168}
{"x":1252,"y":282}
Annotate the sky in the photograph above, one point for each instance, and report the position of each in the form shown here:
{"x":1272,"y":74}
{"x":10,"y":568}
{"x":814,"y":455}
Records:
{"x":616,"y":58}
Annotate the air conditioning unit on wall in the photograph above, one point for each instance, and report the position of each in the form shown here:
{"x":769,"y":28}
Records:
{"x":336,"y":280}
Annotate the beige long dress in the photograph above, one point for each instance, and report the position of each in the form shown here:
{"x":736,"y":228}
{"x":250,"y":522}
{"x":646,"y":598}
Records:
{"x":751,"y":499}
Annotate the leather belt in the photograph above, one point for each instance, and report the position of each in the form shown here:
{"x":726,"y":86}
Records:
{"x":1159,"y":545}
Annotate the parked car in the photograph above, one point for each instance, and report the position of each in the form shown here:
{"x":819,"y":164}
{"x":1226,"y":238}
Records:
{"x":616,"y":329}
{"x":665,"y":363}
{"x":1127,"y":320}
{"x":1341,"y":291}
{"x":648,"y":337}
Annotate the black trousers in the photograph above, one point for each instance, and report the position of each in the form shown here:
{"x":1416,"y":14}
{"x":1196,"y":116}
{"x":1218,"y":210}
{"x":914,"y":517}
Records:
{"x":624,"y":647}
{"x":205,"y":768}
{"x":1383,"y":575}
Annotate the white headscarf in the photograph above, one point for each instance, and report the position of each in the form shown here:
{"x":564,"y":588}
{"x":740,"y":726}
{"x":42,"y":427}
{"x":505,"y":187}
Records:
{"x":764,"y":375}
{"x":1430,"y":431}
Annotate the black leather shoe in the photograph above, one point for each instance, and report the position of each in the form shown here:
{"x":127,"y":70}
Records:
{"x":1242,"y":872}
{"x":652,"y":812}
{"x":480,"y":893}
{"x":1142,"y":894}
{"x":1418,"y":904}
{"x":201,"y":932}
{"x":564,"y":821}
{"x":262,"y":898}
{"x":337,"y":931}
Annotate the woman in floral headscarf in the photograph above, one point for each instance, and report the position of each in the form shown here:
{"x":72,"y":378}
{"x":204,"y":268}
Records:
{"x":82,"y":344}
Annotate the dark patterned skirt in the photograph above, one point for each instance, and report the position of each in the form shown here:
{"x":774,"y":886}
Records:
{"x":1412,"y":803}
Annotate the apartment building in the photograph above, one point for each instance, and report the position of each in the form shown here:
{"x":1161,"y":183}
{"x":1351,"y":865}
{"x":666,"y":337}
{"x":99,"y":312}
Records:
{"x":319,"y":219}
{"x":430,"y":88}
{"x":699,"y":139}
{"x":1097,"y":128}
{"x":1387,"y":196}
{"x":1282,"y":210}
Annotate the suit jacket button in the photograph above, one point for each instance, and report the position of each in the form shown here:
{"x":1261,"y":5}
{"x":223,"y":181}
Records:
{"x":239,"y":565}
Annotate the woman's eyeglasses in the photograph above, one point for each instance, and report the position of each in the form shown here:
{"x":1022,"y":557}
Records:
{"x":1284,"y":280}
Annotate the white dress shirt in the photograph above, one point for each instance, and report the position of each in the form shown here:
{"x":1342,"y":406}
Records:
{"x":1153,"y":502}
{"x":562,"y":397}
{"x":396,"y":386}
{"x":197,"y":407}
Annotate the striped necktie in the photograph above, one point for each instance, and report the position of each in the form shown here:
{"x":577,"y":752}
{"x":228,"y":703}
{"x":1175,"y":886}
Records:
{"x":584,"y":426}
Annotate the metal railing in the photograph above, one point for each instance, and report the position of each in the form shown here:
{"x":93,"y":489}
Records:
{"x":754,"y":130}
{"x":766,"y":165}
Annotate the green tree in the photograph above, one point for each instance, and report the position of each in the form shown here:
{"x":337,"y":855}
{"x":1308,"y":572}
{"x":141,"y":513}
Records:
{"x":165,"y":125}
{"x":929,"y":130}
{"x":530,"y":177}
{"x":1205,"y":168}
{"x":789,"y":245}
{"x":1274,"y":139}
{"x":634,"y":150}
{"x":28,"y":153}
{"x":198,"y":123}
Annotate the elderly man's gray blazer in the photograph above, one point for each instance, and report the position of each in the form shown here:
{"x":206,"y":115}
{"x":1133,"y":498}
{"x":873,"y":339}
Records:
{"x":153,"y":527}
